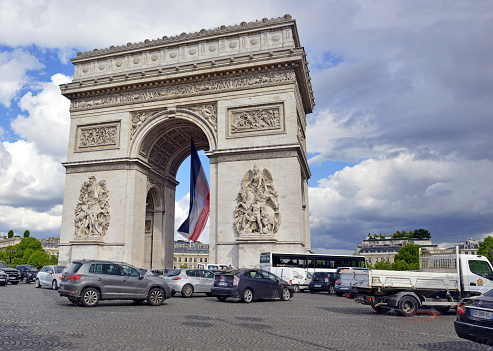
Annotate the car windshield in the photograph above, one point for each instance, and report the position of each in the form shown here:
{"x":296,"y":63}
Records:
{"x":59,"y":269}
{"x":4,"y":265}
{"x":74,"y":267}
{"x":489,"y":293}
{"x":31,"y":268}
{"x":174,"y":273}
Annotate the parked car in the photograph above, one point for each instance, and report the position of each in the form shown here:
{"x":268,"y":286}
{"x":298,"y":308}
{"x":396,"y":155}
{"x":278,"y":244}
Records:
{"x":249,"y":285}
{"x":12,"y":274}
{"x":27,"y":272}
{"x":87,"y":282}
{"x":49,"y":276}
{"x":189,"y":281}
{"x":4,"y":278}
{"x":474,"y":319}
{"x":324,"y":282}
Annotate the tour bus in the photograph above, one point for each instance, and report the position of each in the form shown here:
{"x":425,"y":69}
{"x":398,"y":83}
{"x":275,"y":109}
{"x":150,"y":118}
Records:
{"x":310,"y":262}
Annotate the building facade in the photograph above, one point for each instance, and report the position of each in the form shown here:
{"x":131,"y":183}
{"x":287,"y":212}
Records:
{"x":469,"y":247}
{"x":190,"y":254}
{"x":384,"y":249}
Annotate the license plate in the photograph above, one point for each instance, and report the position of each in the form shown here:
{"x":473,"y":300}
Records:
{"x":317,"y":285}
{"x":482,"y":314}
{"x":12,"y":278}
{"x":223,"y":284}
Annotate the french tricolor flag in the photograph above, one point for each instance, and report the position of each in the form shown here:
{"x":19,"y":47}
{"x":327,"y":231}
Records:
{"x":199,"y":200}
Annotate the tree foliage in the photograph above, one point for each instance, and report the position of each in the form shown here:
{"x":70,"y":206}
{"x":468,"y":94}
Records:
{"x":10,"y":234}
{"x":26,"y":234}
{"x":486,"y":248}
{"x":39,"y":259}
{"x":416,"y":234}
{"x":28,"y":251}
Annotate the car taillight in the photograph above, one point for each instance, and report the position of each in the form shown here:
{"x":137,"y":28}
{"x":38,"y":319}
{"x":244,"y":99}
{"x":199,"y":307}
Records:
{"x":460,"y":309}
{"x":290,"y":281}
{"x":74,"y":277}
{"x":236,"y":280}
{"x":63,"y":276}
{"x":337,"y":282}
{"x":176,"y":278}
{"x":326,"y":279}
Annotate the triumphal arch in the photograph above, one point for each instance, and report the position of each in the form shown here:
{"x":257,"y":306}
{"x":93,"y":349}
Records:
{"x":241,"y":92}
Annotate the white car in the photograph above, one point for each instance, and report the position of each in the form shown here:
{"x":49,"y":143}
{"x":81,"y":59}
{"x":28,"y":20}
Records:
{"x":49,"y":276}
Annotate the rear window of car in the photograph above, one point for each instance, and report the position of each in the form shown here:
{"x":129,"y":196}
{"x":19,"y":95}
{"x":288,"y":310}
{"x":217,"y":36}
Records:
{"x":319,"y":275}
{"x":59,"y":269}
{"x":174,"y":273}
{"x":74,"y":267}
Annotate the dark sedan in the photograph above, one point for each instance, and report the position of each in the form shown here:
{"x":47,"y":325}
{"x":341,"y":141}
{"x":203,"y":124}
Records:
{"x":324,"y":282}
{"x":250,"y":284}
{"x":475,"y":318}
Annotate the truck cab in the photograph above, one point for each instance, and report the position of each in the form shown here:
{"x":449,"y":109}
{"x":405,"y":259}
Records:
{"x":476,"y":274}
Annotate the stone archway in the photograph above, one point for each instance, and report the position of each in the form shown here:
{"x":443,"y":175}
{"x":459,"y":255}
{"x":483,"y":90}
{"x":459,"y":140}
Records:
{"x":241,"y":92}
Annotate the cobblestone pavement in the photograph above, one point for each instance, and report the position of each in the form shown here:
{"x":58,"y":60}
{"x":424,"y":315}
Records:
{"x":39,"y":319}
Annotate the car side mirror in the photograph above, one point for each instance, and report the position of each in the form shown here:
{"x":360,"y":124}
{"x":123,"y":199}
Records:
{"x":141,"y":276}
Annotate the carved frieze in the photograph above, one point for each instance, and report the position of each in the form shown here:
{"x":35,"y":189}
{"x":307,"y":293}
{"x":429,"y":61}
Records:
{"x":257,"y":206}
{"x":92,"y":213}
{"x":206,"y":111}
{"x":252,"y":120}
{"x":185,"y":89}
{"x":104,"y":135}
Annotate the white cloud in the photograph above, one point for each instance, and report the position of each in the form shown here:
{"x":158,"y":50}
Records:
{"x":47,"y":123}
{"x":450,"y":198}
{"x":14,"y":66}
{"x":40,"y":224}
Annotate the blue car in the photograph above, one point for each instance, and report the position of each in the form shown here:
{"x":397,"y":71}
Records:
{"x":250,"y":284}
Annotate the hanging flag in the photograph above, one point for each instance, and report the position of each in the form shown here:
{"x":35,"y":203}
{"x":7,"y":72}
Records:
{"x":199,"y":200}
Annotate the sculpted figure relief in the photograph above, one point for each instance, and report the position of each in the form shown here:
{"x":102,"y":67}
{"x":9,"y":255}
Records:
{"x":257,"y":207}
{"x":92,"y":213}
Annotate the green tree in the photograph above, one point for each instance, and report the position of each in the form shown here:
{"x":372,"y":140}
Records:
{"x":39,"y":259}
{"x":54,"y":260}
{"x":26,"y":234}
{"x":486,"y":248}
{"x":184,"y":265}
{"x":421,"y":234}
{"x":383,"y":265}
{"x":4,"y":256}
{"x":10,"y":234}
{"x":409,"y":254}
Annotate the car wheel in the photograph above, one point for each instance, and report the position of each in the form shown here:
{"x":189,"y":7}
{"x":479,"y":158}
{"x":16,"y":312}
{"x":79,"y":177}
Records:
{"x":331,"y":290}
{"x":187,"y":291}
{"x":155,"y":297}
{"x":221,"y":298}
{"x":90,"y":297}
{"x":74,"y":300}
{"x":312,"y":291}
{"x":247,"y":296}
{"x":286,"y":294}
{"x":37,"y":284}
{"x":408,"y":306}
{"x":26,"y":280}
{"x":296,"y":288}
{"x":54,"y":285}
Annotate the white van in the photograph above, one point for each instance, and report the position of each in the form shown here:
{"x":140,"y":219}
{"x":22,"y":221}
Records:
{"x":297,"y":277}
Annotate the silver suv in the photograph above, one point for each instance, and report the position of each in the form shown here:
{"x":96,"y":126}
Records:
{"x":87,"y":282}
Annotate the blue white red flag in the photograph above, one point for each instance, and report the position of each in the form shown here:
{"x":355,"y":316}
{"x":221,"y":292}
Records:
{"x":199,"y":200}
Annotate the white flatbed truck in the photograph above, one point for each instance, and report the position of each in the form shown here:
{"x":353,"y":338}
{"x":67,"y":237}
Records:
{"x":443,"y":279}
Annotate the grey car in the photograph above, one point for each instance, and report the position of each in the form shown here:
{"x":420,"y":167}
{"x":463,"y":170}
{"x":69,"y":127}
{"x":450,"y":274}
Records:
{"x":87,"y":282}
{"x":189,"y":281}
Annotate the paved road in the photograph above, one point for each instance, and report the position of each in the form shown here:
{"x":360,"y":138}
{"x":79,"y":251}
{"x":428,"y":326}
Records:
{"x":39,"y":319}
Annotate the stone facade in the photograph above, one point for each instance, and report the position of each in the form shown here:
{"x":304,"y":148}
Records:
{"x":241,"y":92}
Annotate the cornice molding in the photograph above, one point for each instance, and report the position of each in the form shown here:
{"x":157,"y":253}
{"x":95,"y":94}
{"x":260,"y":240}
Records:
{"x":184,"y":37}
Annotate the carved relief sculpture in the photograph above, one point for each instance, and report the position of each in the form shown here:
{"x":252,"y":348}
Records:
{"x":104,"y":135}
{"x":92,"y":213}
{"x":258,"y":119}
{"x":257,"y":207}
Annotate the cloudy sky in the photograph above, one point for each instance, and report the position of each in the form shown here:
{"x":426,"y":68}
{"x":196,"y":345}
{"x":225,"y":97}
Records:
{"x":401,"y":137}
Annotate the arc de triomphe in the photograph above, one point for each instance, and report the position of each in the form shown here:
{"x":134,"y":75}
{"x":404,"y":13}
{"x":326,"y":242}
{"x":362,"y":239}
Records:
{"x":241,"y":92}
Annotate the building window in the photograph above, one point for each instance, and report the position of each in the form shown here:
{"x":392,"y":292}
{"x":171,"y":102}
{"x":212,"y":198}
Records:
{"x":201,"y":259}
{"x":205,"y":260}
{"x":195,"y":259}
{"x":179,"y":259}
{"x":185,"y":259}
